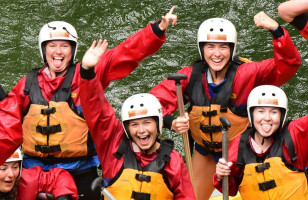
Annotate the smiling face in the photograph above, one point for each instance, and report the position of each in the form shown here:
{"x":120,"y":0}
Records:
{"x":9,"y":172}
{"x":58,"y":56}
{"x":266,"y":120}
{"x":217,"y":55}
{"x":144,"y":133}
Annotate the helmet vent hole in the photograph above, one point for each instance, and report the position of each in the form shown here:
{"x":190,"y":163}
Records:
{"x":221,"y":30}
{"x":211,"y":29}
{"x":141,"y":105}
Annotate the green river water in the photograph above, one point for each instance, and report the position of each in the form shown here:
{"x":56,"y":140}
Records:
{"x":115,"y":20}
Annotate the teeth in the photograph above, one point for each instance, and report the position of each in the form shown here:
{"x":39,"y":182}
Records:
{"x":143,"y":137}
{"x":217,"y":61}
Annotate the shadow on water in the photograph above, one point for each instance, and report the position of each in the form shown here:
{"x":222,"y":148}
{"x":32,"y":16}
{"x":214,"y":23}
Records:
{"x":115,"y":20}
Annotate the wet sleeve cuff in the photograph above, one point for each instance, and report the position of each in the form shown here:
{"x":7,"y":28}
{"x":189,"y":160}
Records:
{"x":157,"y":30}
{"x":300,"y":21}
{"x":278,"y":32}
{"x":2,"y":94}
{"x":87,"y":73}
{"x":168,"y":119}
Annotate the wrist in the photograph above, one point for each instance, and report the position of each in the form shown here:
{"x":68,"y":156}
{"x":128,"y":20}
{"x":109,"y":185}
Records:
{"x":87,"y":73}
{"x":278,"y":32}
{"x":157,"y":30}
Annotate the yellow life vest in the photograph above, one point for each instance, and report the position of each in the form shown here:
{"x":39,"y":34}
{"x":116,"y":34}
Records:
{"x":141,"y":183}
{"x":271,"y":177}
{"x":275,"y":182}
{"x":52,"y":129}
{"x":204,"y":113}
{"x":128,"y":187}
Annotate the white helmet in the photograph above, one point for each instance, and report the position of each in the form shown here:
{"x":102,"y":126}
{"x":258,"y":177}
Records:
{"x":16,"y":156}
{"x":57,"y":30}
{"x":141,"y":106}
{"x":269,"y":96}
{"x":217,"y":30}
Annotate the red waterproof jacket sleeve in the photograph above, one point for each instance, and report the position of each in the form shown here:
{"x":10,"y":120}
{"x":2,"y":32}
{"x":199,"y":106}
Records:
{"x":10,"y":127}
{"x":178,"y":178}
{"x":106,"y":130}
{"x":273,"y":71}
{"x":56,"y":181}
{"x":124,"y":58}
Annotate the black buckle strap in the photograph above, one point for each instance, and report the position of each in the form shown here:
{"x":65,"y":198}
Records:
{"x":45,"y":130}
{"x":210,"y":129}
{"x":212,"y":145}
{"x":47,"y":149}
{"x":267,"y":185}
{"x":209,"y":113}
{"x":142,"y":177}
{"x":48,"y":111}
{"x":223,"y":109}
{"x":262,"y":167}
{"x":140,"y":196}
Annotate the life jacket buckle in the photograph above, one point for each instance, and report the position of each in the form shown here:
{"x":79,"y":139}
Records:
{"x":210,"y":129}
{"x":45,"y":130}
{"x":140,"y":196}
{"x":209,"y":113}
{"x":212,"y":145}
{"x":223,"y":110}
{"x":47,"y":149}
{"x":48,"y":111}
{"x":142,"y":177}
{"x":267,"y":185}
{"x":262,"y":167}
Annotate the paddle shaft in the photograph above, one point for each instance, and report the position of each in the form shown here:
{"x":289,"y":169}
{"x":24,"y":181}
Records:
{"x":179,"y":95}
{"x":107,"y":194}
{"x":226,"y":124}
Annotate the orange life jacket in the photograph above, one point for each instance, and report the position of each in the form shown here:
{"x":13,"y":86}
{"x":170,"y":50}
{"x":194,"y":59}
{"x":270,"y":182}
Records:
{"x":52,"y":129}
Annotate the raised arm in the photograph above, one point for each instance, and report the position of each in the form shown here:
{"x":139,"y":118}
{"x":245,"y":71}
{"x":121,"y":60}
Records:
{"x":290,"y":9}
{"x":106,"y":130}
{"x":120,"y":61}
{"x":287,"y":59}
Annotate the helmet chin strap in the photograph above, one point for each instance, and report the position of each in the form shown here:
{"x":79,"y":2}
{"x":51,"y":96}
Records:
{"x":262,"y":140}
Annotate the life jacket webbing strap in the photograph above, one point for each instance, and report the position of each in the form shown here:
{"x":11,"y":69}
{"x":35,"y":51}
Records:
{"x":46,"y":130}
{"x":210,"y":129}
{"x":209,"y":113}
{"x":121,"y":149}
{"x":63,"y":93}
{"x":142,"y":177}
{"x":29,"y":79}
{"x":289,"y":142}
{"x":267,"y":185}
{"x":140,"y":196}
{"x":210,"y":146}
{"x":262,"y":167}
{"x":198,"y":69}
{"x":47,"y":149}
{"x":48,"y":111}
{"x":241,"y":147}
